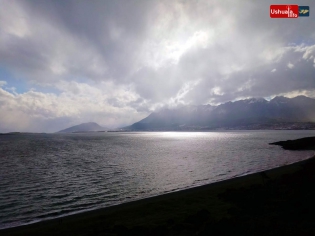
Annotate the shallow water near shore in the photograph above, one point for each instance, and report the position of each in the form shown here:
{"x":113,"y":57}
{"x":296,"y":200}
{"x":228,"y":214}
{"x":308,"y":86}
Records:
{"x":48,"y":175}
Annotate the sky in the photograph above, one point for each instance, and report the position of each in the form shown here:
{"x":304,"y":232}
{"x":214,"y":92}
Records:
{"x":66,"y":62}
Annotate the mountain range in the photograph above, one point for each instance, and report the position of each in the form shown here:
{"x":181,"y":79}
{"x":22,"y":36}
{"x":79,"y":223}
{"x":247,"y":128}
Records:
{"x":254,"y":113}
{"x":85,"y":127}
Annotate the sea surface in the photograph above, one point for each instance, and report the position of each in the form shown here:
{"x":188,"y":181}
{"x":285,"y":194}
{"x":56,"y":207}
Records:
{"x":44,"y":176}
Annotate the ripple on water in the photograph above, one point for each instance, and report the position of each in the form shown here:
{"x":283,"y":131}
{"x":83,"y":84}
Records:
{"x":46,"y":176}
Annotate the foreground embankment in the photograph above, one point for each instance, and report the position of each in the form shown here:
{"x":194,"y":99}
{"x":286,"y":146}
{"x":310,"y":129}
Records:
{"x":274,"y":202}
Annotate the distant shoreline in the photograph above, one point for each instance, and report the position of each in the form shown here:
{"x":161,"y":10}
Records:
{"x":137,"y":131}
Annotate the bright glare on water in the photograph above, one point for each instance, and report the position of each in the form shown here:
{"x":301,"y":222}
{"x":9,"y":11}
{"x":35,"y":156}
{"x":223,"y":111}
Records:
{"x":49,"y":175}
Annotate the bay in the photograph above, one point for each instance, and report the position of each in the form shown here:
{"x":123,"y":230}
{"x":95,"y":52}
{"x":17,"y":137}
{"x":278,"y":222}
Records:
{"x":44,"y":176}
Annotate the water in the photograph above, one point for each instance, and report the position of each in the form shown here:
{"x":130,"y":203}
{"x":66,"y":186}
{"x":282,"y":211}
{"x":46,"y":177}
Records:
{"x":43,"y":176}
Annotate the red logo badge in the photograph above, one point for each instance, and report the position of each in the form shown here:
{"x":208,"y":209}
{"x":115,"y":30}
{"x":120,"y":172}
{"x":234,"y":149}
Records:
{"x":284,"y":11}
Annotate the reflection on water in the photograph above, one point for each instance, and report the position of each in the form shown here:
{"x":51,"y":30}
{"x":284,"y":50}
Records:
{"x":48,"y":175}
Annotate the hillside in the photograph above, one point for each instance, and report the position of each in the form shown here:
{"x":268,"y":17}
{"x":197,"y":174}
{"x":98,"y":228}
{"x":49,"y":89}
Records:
{"x":85,"y":127}
{"x":255,"y":113}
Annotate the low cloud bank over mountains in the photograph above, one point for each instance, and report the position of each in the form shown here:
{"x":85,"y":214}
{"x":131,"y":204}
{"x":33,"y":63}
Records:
{"x":280,"y":112}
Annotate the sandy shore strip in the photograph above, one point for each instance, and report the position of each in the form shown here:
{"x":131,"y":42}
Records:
{"x":273,"y":202}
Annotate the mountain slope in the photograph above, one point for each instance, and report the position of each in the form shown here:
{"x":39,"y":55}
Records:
{"x":85,"y":127}
{"x":243,"y":113}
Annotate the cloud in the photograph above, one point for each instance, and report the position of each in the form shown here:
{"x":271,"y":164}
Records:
{"x":259,"y":82}
{"x":290,"y":65}
{"x":83,"y":103}
{"x":123,"y":59}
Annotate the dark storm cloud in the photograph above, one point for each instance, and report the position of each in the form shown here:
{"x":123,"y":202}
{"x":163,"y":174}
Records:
{"x":291,"y":70}
{"x":112,"y":31}
{"x":116,"y":29}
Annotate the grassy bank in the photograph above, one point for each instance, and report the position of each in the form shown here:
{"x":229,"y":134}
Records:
{"x":278,"y":201}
